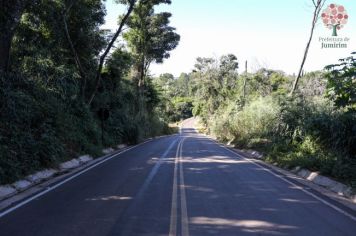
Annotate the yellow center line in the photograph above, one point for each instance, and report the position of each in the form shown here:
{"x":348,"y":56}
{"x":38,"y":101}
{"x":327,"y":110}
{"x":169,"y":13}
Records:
{"x":173,"y":222}
{"x":178,"y":166}
{"x":184,"y":213}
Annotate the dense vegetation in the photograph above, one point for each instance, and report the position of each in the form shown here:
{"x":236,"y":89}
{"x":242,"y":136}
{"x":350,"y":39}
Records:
{"x":315,"y":128}
{"x":59,"y":79}
{"x":61,"y":76}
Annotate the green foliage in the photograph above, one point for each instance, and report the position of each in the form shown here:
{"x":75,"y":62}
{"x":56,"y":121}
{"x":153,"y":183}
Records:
{"x":44,"y":119}
{"x":174,"y":93}
{"x":183,"y":107}
{"x":150,"y":38}
{"x":118,"y":93}
{"x":178,"y":108}
{"x":342,"y":83}
{"x":40,"y":127}
{"x":256,"y":120}
{"x":214,"y":82}
{"x":254,"y":111}
{"x":313,"y":84}
{"x":265,"y":82}
{"x":293,"y":132}
{"x":40,"y":36}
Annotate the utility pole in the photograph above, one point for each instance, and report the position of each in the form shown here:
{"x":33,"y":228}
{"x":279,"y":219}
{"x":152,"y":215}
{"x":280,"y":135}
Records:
{"x":244,"y":84}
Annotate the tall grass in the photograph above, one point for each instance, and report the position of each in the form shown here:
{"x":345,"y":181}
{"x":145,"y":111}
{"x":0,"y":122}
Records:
{"x":306,"y":132}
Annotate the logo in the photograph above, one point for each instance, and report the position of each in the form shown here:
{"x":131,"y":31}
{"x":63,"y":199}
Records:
{"x":335,"y":17}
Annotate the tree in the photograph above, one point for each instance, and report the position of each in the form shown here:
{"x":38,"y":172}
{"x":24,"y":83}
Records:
{"x":335,"y":17}
{"x":228,"y":64}
{"x":149,"y":38}
{"x":165,"y":79}
{"x":118,"y":65}
{"x":165,"y":82}
{"x":131,"y":4}
{"x":213,"y":82}
{"x":313,"y":84}
{"x":318,"y":5}
{"x":76,"y":56}
{"x":341,"y":86}
{"x":203,"y":64}
{"x":10,"y":15}
{"x":60,"y":37}
{"x":183,"y":84}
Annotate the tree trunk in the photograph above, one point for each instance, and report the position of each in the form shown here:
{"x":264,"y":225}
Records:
{"x":335,"y":30}
{"x":108,"y":48}
{"x":75,"y":55}
{"x":141,"y":85}
{"x":5,"y":46}
{"x":10,"y":15}
{"x":318,"y":5}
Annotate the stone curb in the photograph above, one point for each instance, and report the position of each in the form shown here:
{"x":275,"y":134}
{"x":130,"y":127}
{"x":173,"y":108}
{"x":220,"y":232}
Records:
{"x":108,"y":150}
{"x":69,"y":165}
{"x":41,"y":175}
{"x":121,"y":146}
{"x":9,"y":190}
{"x":326,"y":182}
{"x":314,"y":177}
{"x":254,"y":154}
{"x":84,"y":159}
{"x":22,"y":185}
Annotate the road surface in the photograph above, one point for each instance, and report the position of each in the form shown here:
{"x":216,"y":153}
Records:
{"x":183,"y":184}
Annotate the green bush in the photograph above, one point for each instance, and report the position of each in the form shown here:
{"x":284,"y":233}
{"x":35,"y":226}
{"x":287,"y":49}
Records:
{"x":306,"y":132}
{"x":44,"y":122}
{"x":39,"y":127}
{"x":256,"y":121}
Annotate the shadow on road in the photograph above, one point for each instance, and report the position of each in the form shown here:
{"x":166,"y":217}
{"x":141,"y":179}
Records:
{"x":231,"y":196}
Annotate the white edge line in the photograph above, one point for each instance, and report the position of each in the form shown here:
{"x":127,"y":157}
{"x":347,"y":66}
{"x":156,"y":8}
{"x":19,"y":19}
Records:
{"x":11,"y":209}
{"x":293,"y":184}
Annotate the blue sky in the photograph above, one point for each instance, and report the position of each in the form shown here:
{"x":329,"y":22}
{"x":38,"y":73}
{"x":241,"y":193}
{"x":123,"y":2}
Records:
{"x":270,"y":34}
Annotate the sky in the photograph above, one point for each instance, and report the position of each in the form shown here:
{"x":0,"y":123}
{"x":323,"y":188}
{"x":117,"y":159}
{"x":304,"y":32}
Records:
{"x":270,"y":34}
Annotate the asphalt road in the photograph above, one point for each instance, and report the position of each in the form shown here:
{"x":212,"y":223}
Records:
{"x":183,"y":184}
